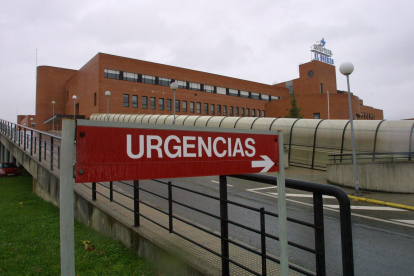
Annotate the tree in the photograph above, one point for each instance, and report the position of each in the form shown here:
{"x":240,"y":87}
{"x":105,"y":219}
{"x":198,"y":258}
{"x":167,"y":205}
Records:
{"x":294,"y":111}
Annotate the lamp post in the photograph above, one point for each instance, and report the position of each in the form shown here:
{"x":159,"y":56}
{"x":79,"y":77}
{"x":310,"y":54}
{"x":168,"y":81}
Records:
{"x":74,"y":106}
{"x":53,"y":119}
{"x":107,"y":94}
{"x":174,"y":86}
{"x":346,"y":68}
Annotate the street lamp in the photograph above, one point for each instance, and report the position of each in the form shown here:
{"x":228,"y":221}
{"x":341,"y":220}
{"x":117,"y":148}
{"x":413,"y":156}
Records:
{"x":174,"y":86}
{"x":74,"y":106}
{"x":53,"y":119}
{"x":346,"y":68}
{"x":107,"y":94}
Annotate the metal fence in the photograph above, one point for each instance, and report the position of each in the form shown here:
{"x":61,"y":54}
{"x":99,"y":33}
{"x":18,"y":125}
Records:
{"x":373,"y":157}
{"x":42,"y":146}
{"x":45,"y":147}
{"x":225,"y":236}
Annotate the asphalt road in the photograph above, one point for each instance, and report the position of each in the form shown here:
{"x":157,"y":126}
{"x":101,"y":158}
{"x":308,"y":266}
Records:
{"x":383,"y":238}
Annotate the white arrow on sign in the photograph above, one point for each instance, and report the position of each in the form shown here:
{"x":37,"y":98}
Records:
{"x":266,"y":163}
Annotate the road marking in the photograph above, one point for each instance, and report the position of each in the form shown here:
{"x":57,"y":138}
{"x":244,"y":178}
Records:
{"x":219,"y":183}
{"x":303,"y":195}
{"x":330,"y":209}
{"x":254,"y":189}
{"x":408,"y":221}
{"x":371,"y":208}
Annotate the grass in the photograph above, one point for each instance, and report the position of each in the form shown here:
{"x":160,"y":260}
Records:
{"x":30,"y":241}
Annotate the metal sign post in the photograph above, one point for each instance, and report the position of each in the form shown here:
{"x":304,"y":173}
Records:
{"x":281,"y":201}
{"x":67,"y":237}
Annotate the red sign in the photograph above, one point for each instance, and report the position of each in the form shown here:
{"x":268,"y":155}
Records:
{"x":113,"y":153}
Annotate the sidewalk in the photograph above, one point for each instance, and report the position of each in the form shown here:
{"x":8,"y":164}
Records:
{"x":397,"y":200}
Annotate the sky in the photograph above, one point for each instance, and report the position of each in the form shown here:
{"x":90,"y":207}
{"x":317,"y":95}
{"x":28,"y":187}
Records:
{"x":262,"y":41}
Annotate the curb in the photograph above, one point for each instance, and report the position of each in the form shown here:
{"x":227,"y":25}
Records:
{"x":380,"y":202}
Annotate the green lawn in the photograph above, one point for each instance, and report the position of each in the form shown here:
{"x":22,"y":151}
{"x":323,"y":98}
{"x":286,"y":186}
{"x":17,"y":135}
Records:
{"x":30,"y":243}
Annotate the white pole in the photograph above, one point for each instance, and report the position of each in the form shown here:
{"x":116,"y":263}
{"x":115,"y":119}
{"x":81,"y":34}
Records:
{"x":67,"y":236}
{"x":281,"y":201}
{"x":329,"y":115}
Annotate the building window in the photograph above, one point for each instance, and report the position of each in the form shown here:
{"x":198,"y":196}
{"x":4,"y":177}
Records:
{"x":152,"y":102}
{"x":321,"y":88}
{"x":177,"y":105}
{"x":130,"y":76}
{"x":224,"y":110}
{"x":134,"y":101}
{"x":258,"y":113}
{"x":94,"y":99}
{"x":112,"y":74}
{"x":265,"y":97}
{"x":184,"y":106}
{"x":212,"y":109}
{"x":32,"y":124}
{"x":169,"y":104}
{"x":272,"y":98}
{"x":233,"y":92}
{"x":219,"y":110}
{"x":263,"y":113}
{"x":126,"y":100}
{"x":311,"y":73}
{"x":206,"y":108}
{"x":164,"y":81}
{"x":247,"y":112}
{"x":144,"y":102}
{"x":195,"y":86}
{"x":148,"y":79}
{"x":210,"y":88}
{"x":221,"y":90}
{"x":231,"y":111}
{"x":161,"y":104}
{"x":191,"y":107}
{"x":316,"y":115}
{"x":242,"y":111}
{"x":244,"y":94}
{"x":198,"y":108}
{"x":182,"y":84}
{"x":237,"y":111}
{"x":253,"y":113}
{"x":255,"y":96}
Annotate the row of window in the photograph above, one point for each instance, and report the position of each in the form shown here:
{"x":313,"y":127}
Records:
{"x":120,"y":75}
{"x":192,"y":107}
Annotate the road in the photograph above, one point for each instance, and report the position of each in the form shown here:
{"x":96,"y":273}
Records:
{"x":383,"y":237}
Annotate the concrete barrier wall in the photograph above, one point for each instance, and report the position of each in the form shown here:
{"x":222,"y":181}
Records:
{"x":396,"y":177}
{"x":143,"y":242}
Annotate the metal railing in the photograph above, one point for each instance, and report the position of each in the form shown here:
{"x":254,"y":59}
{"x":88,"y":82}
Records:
{"x":42,"y":146}
{"x":223,"y":218}
{"x":372,"y":157}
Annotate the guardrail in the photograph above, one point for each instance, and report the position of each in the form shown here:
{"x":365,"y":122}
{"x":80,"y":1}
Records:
{"x":318,"y":226}
{"x":372,"y":156}
{"x":43,"y":146}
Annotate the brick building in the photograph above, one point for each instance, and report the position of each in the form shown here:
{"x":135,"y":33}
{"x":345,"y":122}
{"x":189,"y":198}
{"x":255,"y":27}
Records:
{"x":138,"y":86}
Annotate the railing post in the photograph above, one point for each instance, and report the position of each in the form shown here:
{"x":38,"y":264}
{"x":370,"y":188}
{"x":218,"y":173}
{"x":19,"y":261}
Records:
{"x":170,"y":207}
{"x":319,"y":234}
{"x":44,"y":150}
{"x":346,"y":237}
{"x":136,"y":203}
{"x":58,"y":157}
{"x":31,"y":142}
{"x":263,"y":240}
{"x":51,"y":153}
{"x":93,"y":191}
{"x":111,"y":191}
{"x":24,"y":140}
{"x":225,"y":268}
{"x":40,"y":147}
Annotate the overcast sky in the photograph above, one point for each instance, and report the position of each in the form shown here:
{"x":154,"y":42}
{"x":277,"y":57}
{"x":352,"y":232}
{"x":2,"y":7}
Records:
{"x":261,"y":40}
